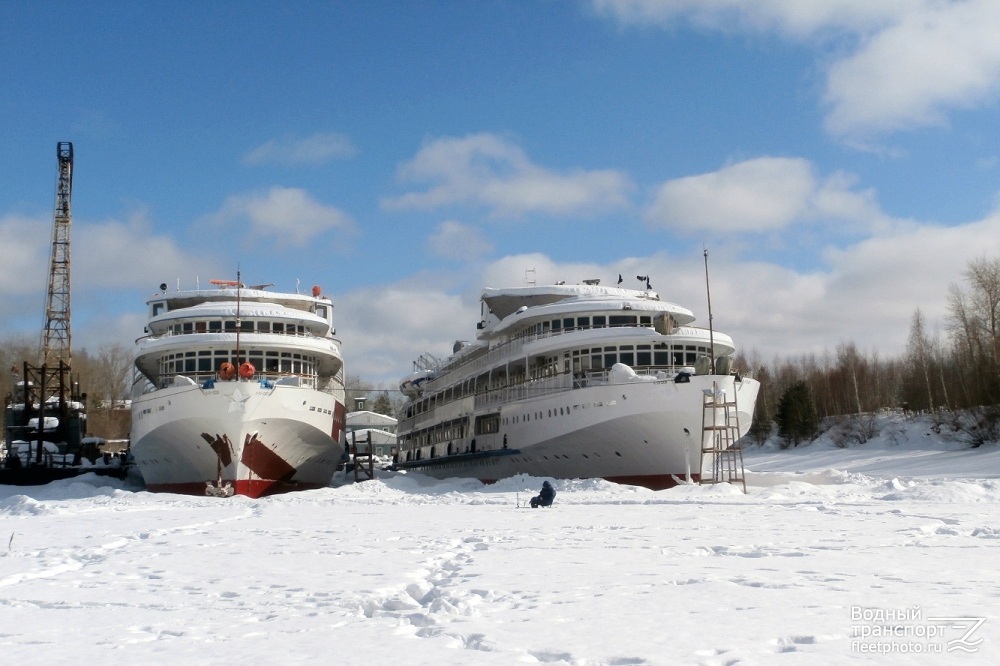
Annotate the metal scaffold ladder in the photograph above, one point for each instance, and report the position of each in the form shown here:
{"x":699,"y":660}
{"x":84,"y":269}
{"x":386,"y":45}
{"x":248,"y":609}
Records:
{"x":720,"y":439}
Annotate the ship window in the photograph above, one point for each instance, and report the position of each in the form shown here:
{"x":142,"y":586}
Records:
{"x":246,"y":326}
{"x":600,"y":321}
{"x":230,"y":326}
{"x":264,"y":326}
{"x":204,"y":365}
{"x":661,"y":358}
{"x":200,"y":326}
{"x":321,"y":311}
{"x":583,"y":322}
{"x":622,"y":320}
{"x":568,"y":323}
{"x":628,"y":358}
{"x":556,"y":325}
{"x":645,"y":321}
{"x":215,"y":326}
{"x":159,"y":308}
{"x":279,"y":327}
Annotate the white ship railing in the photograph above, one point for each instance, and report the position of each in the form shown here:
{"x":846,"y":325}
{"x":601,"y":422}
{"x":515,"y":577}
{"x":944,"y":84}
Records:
{"x":509,"y":349}
{"x":142,"y":385}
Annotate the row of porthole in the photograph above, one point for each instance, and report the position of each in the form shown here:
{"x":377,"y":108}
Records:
{"x":551,"y":412}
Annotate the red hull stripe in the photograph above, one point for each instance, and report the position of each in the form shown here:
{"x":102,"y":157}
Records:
{"x":651,"y":481}
{"x":255,"y":488}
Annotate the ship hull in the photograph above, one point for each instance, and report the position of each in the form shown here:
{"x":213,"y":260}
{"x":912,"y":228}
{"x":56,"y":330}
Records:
{"x":644,"y":433}
{"x":237,"y":437}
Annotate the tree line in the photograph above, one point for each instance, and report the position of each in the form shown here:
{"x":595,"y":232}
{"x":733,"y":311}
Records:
{"x":105,"y":376}
{"x":952,"y":373}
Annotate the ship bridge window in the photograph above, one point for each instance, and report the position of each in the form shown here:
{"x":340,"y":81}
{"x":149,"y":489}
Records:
{"x":643,"y":356}
{"x":321,"y":311}
{"x":626,"y":356}
{"x":159,"y":308}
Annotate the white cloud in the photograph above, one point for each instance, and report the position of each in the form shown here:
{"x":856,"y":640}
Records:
{"x":865,"y":293}
{"x":457,"y":241}
{"x":25,"y":244}
{"x":289,"y":215}
{"x":289,"y":150}
{"x":899,"y":64}
{"x":385,"y":328}
{"x":115,"y":254}
{"x":486,"y":170}
{"x":911,"y":74}
{"x":758,"y":195}
{"x":113,"y":262}
{"x":793,"y":18}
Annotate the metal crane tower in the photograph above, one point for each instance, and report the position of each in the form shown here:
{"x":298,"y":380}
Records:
{"x":56,"y":335}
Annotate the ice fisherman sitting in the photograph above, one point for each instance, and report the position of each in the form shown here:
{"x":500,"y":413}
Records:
{"x":545,"y":497}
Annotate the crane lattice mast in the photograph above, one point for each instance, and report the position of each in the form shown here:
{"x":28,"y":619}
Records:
{"x":56,"y":334}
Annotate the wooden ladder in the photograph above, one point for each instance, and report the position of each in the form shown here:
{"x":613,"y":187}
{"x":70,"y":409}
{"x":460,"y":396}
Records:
{"x":720,"y":439}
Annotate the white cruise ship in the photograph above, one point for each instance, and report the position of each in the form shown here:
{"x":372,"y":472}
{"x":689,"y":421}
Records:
{"x":237,"y":390}
{"x":574,"y":381}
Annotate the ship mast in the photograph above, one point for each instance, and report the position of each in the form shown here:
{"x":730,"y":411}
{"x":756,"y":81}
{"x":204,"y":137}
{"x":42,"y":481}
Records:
{"x":56,"y":345}
{"x":711,"y":335}
{"x":239,"y":323}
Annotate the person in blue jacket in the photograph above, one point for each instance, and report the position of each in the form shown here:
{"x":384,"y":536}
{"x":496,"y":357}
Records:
{"x":545,"y":497}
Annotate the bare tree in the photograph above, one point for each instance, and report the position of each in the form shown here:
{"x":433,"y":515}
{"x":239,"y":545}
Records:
{"x":918,"y":351}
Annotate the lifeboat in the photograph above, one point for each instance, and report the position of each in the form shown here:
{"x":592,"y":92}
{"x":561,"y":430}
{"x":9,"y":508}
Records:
{"x":413,"y":385}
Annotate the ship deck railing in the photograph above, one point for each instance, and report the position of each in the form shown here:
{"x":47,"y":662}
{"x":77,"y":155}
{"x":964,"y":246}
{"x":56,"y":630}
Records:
{"x":563,"y":382}
{"x":509,"y":348}
{"x":203,"y":379}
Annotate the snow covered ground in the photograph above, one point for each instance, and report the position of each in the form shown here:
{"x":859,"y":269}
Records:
{"x":833,"y":555}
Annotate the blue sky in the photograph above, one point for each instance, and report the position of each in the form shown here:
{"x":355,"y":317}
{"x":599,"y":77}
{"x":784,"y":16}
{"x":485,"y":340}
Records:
{"x":839,"y":160}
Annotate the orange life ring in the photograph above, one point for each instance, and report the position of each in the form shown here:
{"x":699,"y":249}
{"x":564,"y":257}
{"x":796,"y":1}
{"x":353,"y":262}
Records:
{"x":247,"y":370}
{"x":227,"y":371}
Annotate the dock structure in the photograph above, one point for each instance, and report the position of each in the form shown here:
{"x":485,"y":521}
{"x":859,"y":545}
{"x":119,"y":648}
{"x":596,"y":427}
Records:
{"x":363,"y":457}
{"x":721,"y":451}
{"x":44,"y":430}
